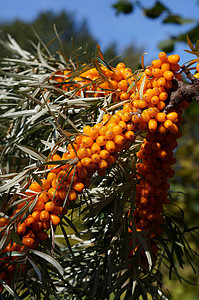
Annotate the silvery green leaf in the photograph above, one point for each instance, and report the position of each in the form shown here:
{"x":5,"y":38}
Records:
{"x":32,"y":152}
{"x":49,"y":259}
{"x":13,"y":181}
{"x":37,"y":271}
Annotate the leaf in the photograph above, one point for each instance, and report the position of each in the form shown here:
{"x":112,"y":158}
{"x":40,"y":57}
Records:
{"x":167,"y":45}
{"x":8,"y":288}
{"x":156,"y":10}
{"x":176,"y":19}
{"x":32,"y":152}
{"x":190,"y":43}
{"x":142,"y":59}
{"x":49,"y":259}
{"x":12,"y":182}
{"x":146,"y":250}
{"x":37,"y":271}
{"x":15,"y":237}
{"x":142,"y":87}
{"x":123,"y":6}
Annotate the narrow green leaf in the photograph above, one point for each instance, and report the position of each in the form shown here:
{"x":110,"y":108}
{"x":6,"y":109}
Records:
{"x":49,"y":259}
{"x":15,"y":237}
{"x":13,"y":181}
{"x":32,"y":152}
{"x":36,"y":268}
{"x":190,"y":43}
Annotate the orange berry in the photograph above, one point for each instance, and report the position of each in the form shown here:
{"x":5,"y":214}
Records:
{"x":49,"y":206}
{"x":86,"y":162}
{"x":156,"y":63}
{"x":157,"y":72}
{"x":122,"y":124}
{"x":72,"y":195}
{"x":87,"y":141}
{"x":120,"y":66}
{"x":110,"y":145}
{"x":130,"y":135}
{"x":102,"y":164}
{"x":161,"y":105}
{"x":39,"y":205}
{"x":44,"y":215}
{"x":154,"y":100}
{"x":161,"y":82}
{"x":30,"y":221}
{"x":51,"y":176}
{"x":163,"y":96}
{"x":173,"y":59}
{"x":28,"y":242}
{"x":168,"y":75}
{"x":43,"y":197}
{"x":135,"y":119}
{"x":117,"y":129}
{"x":55,"y":219}
{"x":35,"y":187}
{"x":46,"y":184}
{"x":173,"y":116}
{"x":165,"y":67}
{"x":101,"y":140}
{"x":168,"y":124}
{"x":36,"y":215}
{"x":95,"y":148}
{"x":152,"y":125}
{"x":119,"y":139}
{"x":162,"y":129}
{"x":95,"y":158}
{"x":78,"y":187}
{"x":82,"y":152}
{"x":46,"y":224}
{"x":104,"y":154}
{"x":42,"y":235}
{"x":161,"y":117}
{"x":21,"y":228}
{"x":162,"y":56}
{"x":37,"y":226}
{"x":123,"y":85}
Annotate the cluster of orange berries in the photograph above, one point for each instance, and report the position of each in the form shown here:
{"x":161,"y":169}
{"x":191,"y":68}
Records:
{"x":97,"y":149}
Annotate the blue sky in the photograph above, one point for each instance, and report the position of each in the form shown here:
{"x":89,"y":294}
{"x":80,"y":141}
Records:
{"x":105,"y":26}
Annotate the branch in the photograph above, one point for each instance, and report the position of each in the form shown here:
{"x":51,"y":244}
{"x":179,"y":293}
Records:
{"x":184,"y":91}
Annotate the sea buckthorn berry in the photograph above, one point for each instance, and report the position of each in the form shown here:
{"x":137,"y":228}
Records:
{"x":21,"y":228}
{"x":161,"y":81}
{"x":95,"y":148}
{"x":173,"y":116}
{"x":120,"y":66}
{"x":154,"y":100}
{"x":168,"y":124}
{"x":148,"y":71}
{"x":161,"y":105}
{"x":196,"y":75}
{"x":162,"y":129}
{"x":36,"y":215}
{"x":110,"y":146}
{"x":93,"y":133}
{"x":162,"y":56}
{"x":161,"y":117}
{"x":156,"y":146}
{"x":122,"y":124}
{"x":130,"y":126}
{"x":135,"y":118}
{"x":168,"y":75}
{"x":165,"y":67}
{"x":43,"y":197}
{"x":124,"y":96}
{"x":152,"y":125}
{"x":145,"y":117}
{"x":37,"y":226}
{"x":86,"y":162}
{"x":130,"y":135}
{"x":123,"y":85}
{"x":46,"y":184}
{"x":44,"y":215}
{"x":103,"y":164}
{"x":126,"y":117}
{"x":50,"y":177}
{"x":35,"y":187}
{"x":30,"y":221}
{"x":157,"y":72}
{"x":175,"y":68}
{"x":104,"y":154}
{"x":78,"y":186}
{"x":174,"y":129}
{"x":127,"y":108}
{"x":49,"y":206}
{"x":173,"y":59}
{"x":39,"y":205}
{"x":162,"y":153}
{"x":109,"y":134}
{"x":95,"y":158}
{"x":42,"y":235}
{"x":106,"y":117}
{"x":117,"y":75}
{"x":28,"y":242}
{"x":152,"y":112}
{"x":163,"y":96}
{"x":117,"y":129}
{"x":119,"y":139}
{"x":101,"y":140}
{"x":55,"y":219}
{"x":156,"y":63}
{"x":82,"y":152}
{"x":87,"y":141}
{"x":197,"y":67}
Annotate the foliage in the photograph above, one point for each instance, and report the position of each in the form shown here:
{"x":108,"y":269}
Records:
{"x":162,"y":11}
{"x":39,"y":117}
